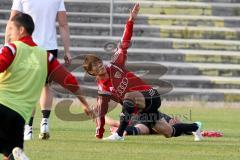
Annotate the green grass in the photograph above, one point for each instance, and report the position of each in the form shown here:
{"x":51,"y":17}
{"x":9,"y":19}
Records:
{"x":76,"y":141}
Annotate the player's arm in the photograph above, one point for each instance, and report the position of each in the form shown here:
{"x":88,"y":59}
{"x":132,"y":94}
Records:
{"x":7,"y":55}
{"x":134,"y":12}
{"x":64,"y":32}
{"x":120,"y":57}
{"x":102,"y":104}
{"x":100,"y":112}
{"x":127,"y":34}
{"x":60,"y":75}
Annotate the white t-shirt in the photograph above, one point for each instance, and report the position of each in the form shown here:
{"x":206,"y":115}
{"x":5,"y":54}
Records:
{"x":44,"y":14}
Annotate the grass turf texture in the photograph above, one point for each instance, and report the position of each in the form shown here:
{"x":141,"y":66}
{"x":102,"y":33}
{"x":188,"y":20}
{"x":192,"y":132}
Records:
{"x":76,"y":141}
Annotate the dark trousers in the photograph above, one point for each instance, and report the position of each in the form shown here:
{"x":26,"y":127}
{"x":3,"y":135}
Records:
{"x":11,"y":130}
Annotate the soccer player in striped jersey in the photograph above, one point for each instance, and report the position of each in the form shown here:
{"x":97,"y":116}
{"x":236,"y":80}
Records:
{"x":117,"y":83}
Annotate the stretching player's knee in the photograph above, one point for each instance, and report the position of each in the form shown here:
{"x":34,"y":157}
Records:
{"x":167,"y":132}
{"x":162,"y":127}
{"x":167,"y":135}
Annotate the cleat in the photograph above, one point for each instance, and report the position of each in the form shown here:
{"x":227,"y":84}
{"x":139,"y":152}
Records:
{"x":114,"y":137}
{"x":197,"y":135}
{"x":18,"y":154}
{"x":211,"y":134}
{"x":28,"y":133}
{"x":44,"y":129}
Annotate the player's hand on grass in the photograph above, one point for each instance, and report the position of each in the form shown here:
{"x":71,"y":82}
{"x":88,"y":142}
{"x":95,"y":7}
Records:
{"x":134,"y":12}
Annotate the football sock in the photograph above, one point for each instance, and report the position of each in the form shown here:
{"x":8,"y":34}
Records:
{"x":46,"y":113}
{"x":123,"y":124}
{"x":180,"y":128}
{"x":131,"y":130}
{"x":30,"y":123}
{"x":128,"y":109}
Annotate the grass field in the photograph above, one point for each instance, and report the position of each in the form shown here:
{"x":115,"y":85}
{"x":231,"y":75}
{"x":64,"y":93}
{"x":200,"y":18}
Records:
{"x":76,"y":141}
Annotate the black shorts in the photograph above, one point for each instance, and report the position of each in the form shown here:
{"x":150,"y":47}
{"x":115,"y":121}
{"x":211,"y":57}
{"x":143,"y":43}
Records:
{"x":150,"y":114}
{"x":11,"y":130}
{"x":137,"y":120}
{"x":152,"y":101}
{"x":54,"y":52}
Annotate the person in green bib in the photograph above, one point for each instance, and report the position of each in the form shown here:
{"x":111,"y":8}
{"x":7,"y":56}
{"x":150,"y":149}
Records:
{"x":24,"y":69}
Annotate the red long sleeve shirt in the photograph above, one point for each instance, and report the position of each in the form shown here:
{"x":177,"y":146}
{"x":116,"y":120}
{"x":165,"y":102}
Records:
{"x":120,"y":82}
{"x":56,"y":72}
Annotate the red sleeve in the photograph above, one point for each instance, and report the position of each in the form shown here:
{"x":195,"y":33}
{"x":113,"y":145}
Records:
{"x":102,"y":105}
{"x":120,"y":57}
{"x":101,"y":111}
{"x":127,"y":35}
{"x":59,"y":74}
{"x":7,"y":55}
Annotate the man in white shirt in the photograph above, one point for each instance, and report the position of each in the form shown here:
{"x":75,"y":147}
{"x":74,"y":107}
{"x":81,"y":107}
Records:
{"x":44,"y":14}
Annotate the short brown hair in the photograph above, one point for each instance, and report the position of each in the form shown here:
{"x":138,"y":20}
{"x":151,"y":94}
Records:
{"x":25,"y":20}
{"x":88,"y":62}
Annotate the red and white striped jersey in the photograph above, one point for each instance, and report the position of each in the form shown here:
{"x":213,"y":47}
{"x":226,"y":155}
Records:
{"x":121,"y":80}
